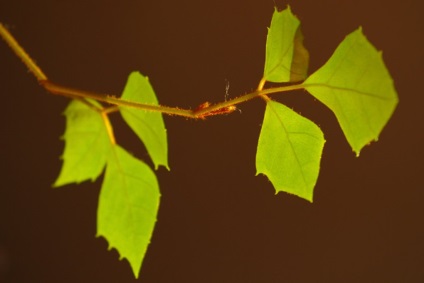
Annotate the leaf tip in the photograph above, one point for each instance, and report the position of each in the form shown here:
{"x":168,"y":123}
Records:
{"x":158,"y":165}
{"x":135,"y":267}
{"x":258,"y":172}
{"x":357,"y":152}
{"x":308,"y":198}
{"x":288,"y":9}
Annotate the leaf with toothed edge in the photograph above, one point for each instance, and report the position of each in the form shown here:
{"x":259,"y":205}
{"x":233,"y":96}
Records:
{"x":289,"y":151}
{"x":286,"y":58}
{"x":148,"y":126}
{"x":128,"y":206}
{"x":356,"y":85}
{"x":86,"y":144}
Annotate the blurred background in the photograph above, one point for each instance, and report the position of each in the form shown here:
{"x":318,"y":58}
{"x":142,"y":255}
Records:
{"x":217,"y":221}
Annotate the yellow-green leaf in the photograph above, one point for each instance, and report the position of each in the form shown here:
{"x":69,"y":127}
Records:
{"x":286,"y":58}
{"x":86,"y":144}
{"x":356,"y":85}
{"x":148,"y":126}
{"x":289,"y":151}
{"x":128,"y":205}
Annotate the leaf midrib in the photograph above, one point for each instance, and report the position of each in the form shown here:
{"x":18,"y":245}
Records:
{"x":290,"y":142}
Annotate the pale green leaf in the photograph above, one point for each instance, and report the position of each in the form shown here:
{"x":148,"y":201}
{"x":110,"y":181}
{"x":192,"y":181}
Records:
{"x":128,"y":206}
{"x":86,"y":144}
{"x":289,"y":151}
{"x":356,"y":85}
{"x":286,"y":58}
{"x":148,"y":126}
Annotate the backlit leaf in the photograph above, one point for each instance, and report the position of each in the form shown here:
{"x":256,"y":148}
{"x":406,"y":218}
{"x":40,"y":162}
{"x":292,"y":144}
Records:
{"x":286,"y":58}
{"x":289,"y":151}
{"x":148,"y":126}
{"x":356,"y":85}
{"x":86,"y":144}
{"x":128,"y":205}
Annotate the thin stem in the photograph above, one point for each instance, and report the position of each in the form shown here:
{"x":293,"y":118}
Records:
{"x":260,"y":87}
{"x":261,"y":84}
{"x":20,"y":52}
{"x":111,"y":109}
{"x":244,"y":98}
{"x":109,"y":128}
{"x":204,"y":110}
{"x":67,"y":91}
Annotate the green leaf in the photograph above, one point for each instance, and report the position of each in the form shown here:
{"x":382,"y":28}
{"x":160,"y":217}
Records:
{"x":289,"y":151}
{"x":286,"y":58}
{"x":128,"y":205}
{"x":86,"y":144}
{"x":356,"y":85}
{"x":148,"y":126}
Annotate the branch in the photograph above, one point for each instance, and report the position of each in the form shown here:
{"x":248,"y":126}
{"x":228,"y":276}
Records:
{"x":201,"y":112}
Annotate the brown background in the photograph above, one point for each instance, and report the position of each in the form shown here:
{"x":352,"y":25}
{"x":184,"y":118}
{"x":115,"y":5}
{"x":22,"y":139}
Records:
{"x":217,"y":221}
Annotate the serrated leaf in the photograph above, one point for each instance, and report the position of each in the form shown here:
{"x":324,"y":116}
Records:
{"x":148,"y":126}
{"x":128,"y":205}
{"x":289,"y":151}
{"x":86,"y":144}
{"x":286,"y":58}
{"x":356,"y":85}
